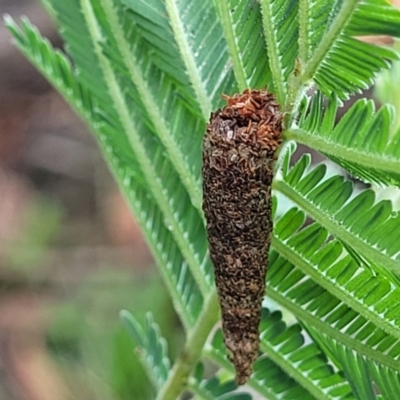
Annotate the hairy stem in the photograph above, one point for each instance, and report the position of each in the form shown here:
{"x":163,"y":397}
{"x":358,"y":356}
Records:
{"x":273,"y":51}
{"x":304,"y":39}
{"x":188,"y":57}
{"x":223,"y":7}
{"x":160,"y":124}
{"x":128,"y":123}
{"x":310,"y":68}
{"x":340,"y":151}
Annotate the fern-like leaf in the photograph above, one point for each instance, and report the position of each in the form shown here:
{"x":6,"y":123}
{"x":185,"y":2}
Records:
{"x":163,"y":182}
{"x":333,"y":203}
{"x":317,"y":307}
{"x":327,"y":262}
{"x":199,"y":39}
{"x":174,"y":267}
{"x":280,"y":27}
{"x":288,"y":355}
{"x":132,"y":63}
{"x":330,"y":56}
{"x":360,"y":142}
{"x":368,"y":380}
{"x":150,"y":89}
{"x":241,"y":22}
{"x":151,"y":347}
{"x":152,"y":23}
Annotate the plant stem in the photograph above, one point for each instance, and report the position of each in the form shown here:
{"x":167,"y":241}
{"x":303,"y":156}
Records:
{"x":138,"y":78}
{"x":310,"y":68}
{"x":191,"y":353}
{"x":336,"y":228}
{"x":273,"y":51}
{"x":230,"y":36}
{"x":188,"y":57}
{"x":362,"y":157}
{"x":139,"y":150}
{"x":304,"y":40}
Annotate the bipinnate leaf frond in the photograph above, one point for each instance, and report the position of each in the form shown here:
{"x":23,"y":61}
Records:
{"x":326,"y":261}
{"x":317,"y":307}
{"x":163,"y":186}
{"x":358,"y":219}
{"x":262,"y":39}
{"x":292,"y":366}
{"x":242,"y":25}
{"x":151,"y":20}
{"x":361,"y":142}
{"x":151,"y":347}
{"x":152,"y":91}
{"x":329,"y":54}
{"x":124,"y":164}
{"x":369,"y":380}
{"x":307,"y":42}
{"x":280,"y":25}
{"x":197,"y":35}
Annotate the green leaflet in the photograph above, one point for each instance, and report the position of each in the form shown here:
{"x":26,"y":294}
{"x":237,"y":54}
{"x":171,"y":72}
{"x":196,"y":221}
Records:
{"x":194,"y":30}
{"x":280,"y":27}
{"x":315,"y":19}
{"x":286,"y":350}
{"x":241,"y":22}
{"x":152,"y":347}
{"x":332,"y":203}
{"x":156,"y":168}
{"x":360,"y":142}
{"x":317,"y":307}
{"x":116,"y":148}
{"x":335,"y":61}
{"x":343,"y":74}
{"x":150,"y":89}
{"x":329,"y":265}
{"x":151,"y":20}
{"x":365,"y":377}
{"x":367,"y":19}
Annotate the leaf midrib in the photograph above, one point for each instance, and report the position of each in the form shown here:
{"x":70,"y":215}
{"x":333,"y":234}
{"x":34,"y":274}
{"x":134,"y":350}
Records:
{"x":151,"y":106}
{"x":352,"y":155}
{"x":188,"y":57}
{"x":139,"y":149}
{"x":338,"y":291}
{"x":335,"y":228}
{"x":326,"y":328}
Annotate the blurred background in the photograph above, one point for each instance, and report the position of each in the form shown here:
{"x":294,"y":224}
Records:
{"x":71,"y":256}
